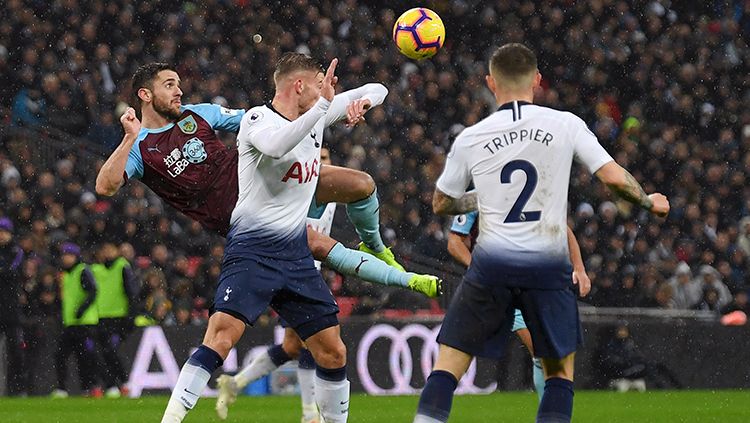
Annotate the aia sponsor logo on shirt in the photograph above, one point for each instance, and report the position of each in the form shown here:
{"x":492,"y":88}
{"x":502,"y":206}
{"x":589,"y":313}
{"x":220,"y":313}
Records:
{"x":302,"y":174}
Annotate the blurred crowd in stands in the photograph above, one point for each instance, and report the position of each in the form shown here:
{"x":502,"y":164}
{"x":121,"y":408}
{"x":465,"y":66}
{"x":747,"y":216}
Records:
{"x":664,"y":85}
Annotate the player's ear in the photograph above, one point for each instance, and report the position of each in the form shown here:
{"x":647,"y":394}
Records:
{"x":299,"y":86}
{"x":537,"y":80}
{"x":144,"y":94}
{"x":491,"y":84}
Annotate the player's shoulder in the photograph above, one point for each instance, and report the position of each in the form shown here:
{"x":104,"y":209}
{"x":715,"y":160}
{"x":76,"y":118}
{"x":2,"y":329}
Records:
{"x":562,"y":116}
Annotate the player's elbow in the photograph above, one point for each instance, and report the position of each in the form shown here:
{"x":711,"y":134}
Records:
{"x":439,"y":205}
{"x":611,"y":174}
{"x":105,"y":188}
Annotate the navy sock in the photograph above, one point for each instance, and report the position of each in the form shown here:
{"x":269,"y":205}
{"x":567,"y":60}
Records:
{"x":437,"y":396}
{"x":557,"y":402}
{"x":278,"y":355}
{"x":306,"y":360}
{"x":331,"y":375}
{"x":206,"y":358}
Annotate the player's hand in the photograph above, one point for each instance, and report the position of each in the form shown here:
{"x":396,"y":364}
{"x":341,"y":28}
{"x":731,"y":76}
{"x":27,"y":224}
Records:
{"x":660,"y":204}
{"x":355,"y":111}
{"x":130,"y":123}
{"x":329,"y":81}
{"x":581,"y":279}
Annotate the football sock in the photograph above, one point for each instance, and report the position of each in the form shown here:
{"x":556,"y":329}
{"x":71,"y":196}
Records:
{"x":538,"y":375}
{"x":332,"y":394}
{"x":262,"y":365}
{"x":306,"y":378}
{"x":437,"y":398}
{"x":557,"y":403}
{"x":193,"y":379}
{"x":365,"y":216}
{"x":365,"y":266}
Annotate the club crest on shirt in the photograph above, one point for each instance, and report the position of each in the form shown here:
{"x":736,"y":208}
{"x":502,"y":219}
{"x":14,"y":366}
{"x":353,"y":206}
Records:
{"x":188,"y":125}
{"x":194,"y":151}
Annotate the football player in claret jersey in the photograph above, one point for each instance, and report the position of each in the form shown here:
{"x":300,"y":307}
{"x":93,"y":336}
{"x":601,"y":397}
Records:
{"x":519,"y":159}
{"x":461,"y":240}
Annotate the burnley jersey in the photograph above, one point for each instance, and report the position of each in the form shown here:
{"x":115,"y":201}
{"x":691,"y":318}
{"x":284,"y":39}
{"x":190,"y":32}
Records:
{"x":187,"y":165}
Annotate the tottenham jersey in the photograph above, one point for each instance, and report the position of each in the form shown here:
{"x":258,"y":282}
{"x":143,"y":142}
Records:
{"x":275,"y":192}
{"x":520,"y":159}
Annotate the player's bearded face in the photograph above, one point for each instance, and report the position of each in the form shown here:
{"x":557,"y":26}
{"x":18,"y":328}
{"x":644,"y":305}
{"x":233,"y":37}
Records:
{"x":167,"y":106}
{"x":167,"y":94}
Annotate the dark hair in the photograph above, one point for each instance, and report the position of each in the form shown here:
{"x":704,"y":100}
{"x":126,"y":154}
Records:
{"x":144,"y":77}
{"x":291,"y":62}
{"x":513,"y":61}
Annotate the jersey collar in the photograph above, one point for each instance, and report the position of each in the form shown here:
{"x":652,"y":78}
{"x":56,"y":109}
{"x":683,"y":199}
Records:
{"x":273,"y":109}
{"x":509,"y":105}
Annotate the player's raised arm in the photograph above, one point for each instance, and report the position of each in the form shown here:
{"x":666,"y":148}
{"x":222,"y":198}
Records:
{"x":110,"y":177}
{"x":276,"y":140}
{"x":624,"y":185}
{"x":353,"y":104}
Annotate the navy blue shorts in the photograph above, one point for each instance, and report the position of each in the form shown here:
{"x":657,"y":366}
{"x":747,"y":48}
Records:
{"x":480,"y":317}
{"x":249,"y":284}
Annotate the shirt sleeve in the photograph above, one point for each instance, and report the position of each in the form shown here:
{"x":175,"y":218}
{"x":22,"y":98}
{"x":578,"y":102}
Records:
{"x":376,"y":93}
{"x":462,"y":224}
{"x":456,"y":176}
{"x":134,"y":165}
{"x":273,"y":138}
{"x":586,"y":147}
{"x":217,"y":116}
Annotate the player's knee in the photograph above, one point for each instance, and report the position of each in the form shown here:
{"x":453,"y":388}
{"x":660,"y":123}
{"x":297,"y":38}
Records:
{"x":292,"y":346}
{"x":559,"y":368}
{"x":319,"y":244}
{"x":363,"y":184}
{"x":331,"y":356}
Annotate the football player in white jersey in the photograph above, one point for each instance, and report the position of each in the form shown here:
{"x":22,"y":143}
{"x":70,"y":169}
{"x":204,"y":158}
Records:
{"x":519,"y":159}
{"x":263,"y":364}
{"x":266,"y":260}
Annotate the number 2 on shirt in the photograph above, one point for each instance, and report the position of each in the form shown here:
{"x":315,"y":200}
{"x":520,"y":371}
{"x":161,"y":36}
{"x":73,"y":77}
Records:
{"x":516,"y":213}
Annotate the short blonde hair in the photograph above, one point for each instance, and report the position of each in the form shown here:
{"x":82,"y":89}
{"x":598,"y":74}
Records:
{"x":513,"y":65}
{"x":292,"y":62}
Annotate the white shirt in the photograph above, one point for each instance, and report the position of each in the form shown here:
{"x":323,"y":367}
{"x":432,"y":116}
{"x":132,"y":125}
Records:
{"x":520,"y":159}
{"x":279,"y":164}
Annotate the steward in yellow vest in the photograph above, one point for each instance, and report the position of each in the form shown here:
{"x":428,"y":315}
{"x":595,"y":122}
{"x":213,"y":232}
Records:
{"x":116,"y":288}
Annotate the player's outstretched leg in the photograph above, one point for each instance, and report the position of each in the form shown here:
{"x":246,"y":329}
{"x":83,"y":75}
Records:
{"x":557,"y":402}
{"x":357,"y":190}
{"x":306,"y":378}
{"x":331,"y":384}
{"x":262,"y":365}
{"x":222,"y":333}
{"x":367,"y":267}
{"x":437,"y":396}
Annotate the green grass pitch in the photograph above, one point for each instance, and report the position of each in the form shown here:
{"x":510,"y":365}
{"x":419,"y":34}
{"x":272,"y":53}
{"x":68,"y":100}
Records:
{"x":590,"y":406}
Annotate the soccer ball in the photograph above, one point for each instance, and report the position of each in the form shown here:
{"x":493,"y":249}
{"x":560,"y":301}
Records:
{"x":419,"y":33}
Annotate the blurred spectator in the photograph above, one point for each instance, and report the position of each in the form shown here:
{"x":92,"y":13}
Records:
{"x":711,"y":280}
{"x":687,"y":291}
{"x":11,"y":258}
